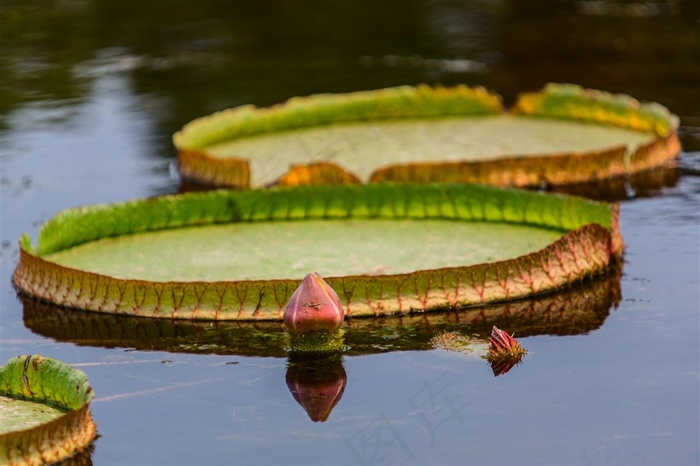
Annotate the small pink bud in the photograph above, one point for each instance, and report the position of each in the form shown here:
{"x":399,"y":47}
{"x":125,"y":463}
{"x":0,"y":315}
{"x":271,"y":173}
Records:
{"x":502,"y":344}
{"x":314,"y":307}
{"x":504,"y":352}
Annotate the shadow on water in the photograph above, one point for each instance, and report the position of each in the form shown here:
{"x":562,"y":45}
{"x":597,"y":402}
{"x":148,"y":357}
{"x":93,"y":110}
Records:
{"x":648,"y":183}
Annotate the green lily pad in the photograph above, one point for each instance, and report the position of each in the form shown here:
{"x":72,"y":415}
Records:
{"x":115,"y":258}
{"x":44,"y":415}
{"x":561,"y":135}
{"x":267,"y":251}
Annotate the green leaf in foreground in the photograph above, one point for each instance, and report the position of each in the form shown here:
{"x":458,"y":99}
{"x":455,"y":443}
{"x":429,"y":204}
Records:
{"x":44,"y":411}
{"x":584,"y":241}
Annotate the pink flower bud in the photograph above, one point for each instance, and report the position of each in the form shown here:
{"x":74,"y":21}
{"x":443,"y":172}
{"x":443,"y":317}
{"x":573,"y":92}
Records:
{"x":504,"y":352}
{"x":314,"y":307}
{"x":503,"y":344}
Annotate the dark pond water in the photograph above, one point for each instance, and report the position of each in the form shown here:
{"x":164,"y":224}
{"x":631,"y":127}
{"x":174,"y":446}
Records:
{"x":90,"y":95}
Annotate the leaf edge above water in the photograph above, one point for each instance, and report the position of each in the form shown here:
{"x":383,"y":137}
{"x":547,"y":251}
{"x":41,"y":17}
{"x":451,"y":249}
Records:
{"x":592,"y":244}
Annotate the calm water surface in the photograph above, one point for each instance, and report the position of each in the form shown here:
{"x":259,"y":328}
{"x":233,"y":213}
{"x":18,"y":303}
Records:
{"x":90,"y":95}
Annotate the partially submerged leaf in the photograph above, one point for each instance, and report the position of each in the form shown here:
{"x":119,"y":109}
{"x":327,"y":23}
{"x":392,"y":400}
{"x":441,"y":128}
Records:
{"x":589,"y":245}
{"x":428,"y":134}
{"x":44,"y":411}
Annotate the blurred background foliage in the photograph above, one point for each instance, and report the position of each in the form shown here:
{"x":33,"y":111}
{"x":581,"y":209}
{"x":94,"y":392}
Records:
{"x":265,"y":51}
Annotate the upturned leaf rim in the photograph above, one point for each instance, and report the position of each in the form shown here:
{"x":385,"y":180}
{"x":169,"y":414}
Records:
{"x":554,"y":101}
{"x":45,"y":380}
{"x":591,"y":245}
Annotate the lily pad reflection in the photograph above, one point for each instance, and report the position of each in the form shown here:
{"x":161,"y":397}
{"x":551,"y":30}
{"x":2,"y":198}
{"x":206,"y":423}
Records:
{"x":578,"y":310}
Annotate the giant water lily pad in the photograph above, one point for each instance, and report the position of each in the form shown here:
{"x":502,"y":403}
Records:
{"x":44,"y":415}
{"x":239,"y":255}
{"x":561,"y":135}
